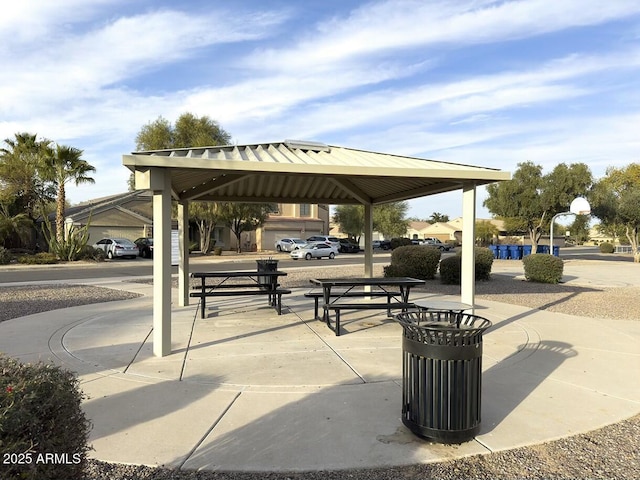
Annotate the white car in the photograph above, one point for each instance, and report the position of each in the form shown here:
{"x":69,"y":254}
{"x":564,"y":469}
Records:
{"x":117,"y":247}
{"x":289,"y":244}
{"x":314,"y":250}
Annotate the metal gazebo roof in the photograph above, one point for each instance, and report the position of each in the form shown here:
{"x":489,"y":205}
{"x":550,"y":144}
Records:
{"x":305,"y":172}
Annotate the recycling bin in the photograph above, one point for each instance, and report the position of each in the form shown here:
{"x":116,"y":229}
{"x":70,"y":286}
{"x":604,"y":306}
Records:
{"x":542,"y":249}
{"x":556,"y":250}
{"x":503,"y":252}
{"x":494,"y":250}
{"x":515,"y":252}
{"x":442,"y":374}
{"x":526,"y":250}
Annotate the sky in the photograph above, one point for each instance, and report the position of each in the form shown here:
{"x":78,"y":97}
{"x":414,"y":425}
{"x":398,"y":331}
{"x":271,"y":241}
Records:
{"x":476,"y":82}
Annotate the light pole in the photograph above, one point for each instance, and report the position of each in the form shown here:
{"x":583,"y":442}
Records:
{"x":579,"y":206}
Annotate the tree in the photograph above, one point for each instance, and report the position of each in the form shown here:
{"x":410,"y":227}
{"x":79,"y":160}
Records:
{"x":11,"y":226}
{"x":615,"y":200}
{"x":23,"y":190}
{"x":388,"y":219}
{"x":64,"y":164}
{"x":438,"y":217}
{"x":351,"y":220}
{"x":244,"y":217}
{"x":206,"y":215}
{"x":485,"y":232}
{"x":189,"y":131}
{"x":530,"y":199}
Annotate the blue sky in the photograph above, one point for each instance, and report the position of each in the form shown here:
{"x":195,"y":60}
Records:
{"x":480,"y":82}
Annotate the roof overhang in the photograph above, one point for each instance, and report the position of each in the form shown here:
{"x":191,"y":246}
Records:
{"x":302,"y":172}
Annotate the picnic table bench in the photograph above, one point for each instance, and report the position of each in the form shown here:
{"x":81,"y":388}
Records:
{"x":395,"y":289}
{"x":261,"y":283}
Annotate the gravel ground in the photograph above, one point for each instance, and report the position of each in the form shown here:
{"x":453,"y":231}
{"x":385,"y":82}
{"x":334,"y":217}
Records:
{"x":612,"y":452}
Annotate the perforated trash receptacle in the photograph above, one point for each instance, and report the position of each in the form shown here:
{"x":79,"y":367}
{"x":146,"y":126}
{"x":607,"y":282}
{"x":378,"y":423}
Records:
{"x":266,"y":265}
{"x":442,"y":374}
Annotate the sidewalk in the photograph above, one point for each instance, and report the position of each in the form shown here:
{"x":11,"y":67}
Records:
{"x":246,"y":389}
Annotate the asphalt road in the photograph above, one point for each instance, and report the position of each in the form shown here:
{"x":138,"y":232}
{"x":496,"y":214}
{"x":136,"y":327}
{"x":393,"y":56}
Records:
{"x":144,"y":267}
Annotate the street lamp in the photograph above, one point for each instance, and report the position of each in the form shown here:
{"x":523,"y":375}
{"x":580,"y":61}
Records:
{"x":579,"y":206}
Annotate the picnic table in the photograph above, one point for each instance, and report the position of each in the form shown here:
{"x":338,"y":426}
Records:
{"x":396,"y":290}
{"x":229,"y":284}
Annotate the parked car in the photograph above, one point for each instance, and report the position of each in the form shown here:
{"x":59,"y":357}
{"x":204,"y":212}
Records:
{"x":435,"y":242}
{"x":347,"y":246}
{"x":331,"y":240}
{"x":117,"y":247}
{"x":382,"y":244}
{"x":145,"y":246}
{"x":315,"y":250}
{"x":289,"y":244}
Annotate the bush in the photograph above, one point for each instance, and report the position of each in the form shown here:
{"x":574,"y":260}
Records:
{"x":451,"y":267}
{"x":413,"y":261}
{"x":484,"y":263}
{"x":40,"y":415}
{"x":451,"y":270}
{"x":42,"y":258}
{"x":90,"y":253}
{"x":5,"y":256}
{"x":399,"y":242}
{"x":543,"y":268}
{"x":606,"y":247}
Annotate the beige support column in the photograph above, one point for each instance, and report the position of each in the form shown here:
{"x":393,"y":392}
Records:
{"x":368,"y":240}
{"x":161,"y":186}
{"x":468,"y":287}
{"x":183,"y":246}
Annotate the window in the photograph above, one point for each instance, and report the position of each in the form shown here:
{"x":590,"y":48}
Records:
{"x":305,"y":210}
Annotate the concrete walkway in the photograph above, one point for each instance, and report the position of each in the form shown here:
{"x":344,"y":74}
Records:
{"x":246,"y":389}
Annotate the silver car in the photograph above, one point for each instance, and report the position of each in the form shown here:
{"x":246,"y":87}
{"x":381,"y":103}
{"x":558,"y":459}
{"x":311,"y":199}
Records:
{"x":289,"y":244}
{"x":315,"y":250}
{"x":117,"y":247}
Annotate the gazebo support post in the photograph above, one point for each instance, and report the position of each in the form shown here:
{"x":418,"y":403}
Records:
{"x":368,"y":240}
{"x":161,"y":186}
{"x":468,"y":286}
{"x":183,"y":259}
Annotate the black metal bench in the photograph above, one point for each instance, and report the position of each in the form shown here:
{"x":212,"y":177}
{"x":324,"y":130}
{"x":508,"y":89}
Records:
{"x":336,"y":307}
{"x":350,"y":294}
{"x":275,"y":296}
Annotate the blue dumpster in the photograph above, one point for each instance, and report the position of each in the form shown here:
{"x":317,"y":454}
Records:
{"x":503,"y":252}
{"x":526,"y":250}
{"x":494,"y":250}
{"x":556,"y":250}
{"x":542,"y":249}
{"x":515,"y":252}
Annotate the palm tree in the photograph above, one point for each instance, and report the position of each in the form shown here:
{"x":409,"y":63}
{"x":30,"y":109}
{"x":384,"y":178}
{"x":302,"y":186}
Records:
{"x":62,"y":165}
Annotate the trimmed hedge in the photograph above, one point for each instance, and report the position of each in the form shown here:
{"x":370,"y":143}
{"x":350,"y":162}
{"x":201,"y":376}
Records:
{"x":606,"y":247}
{"x":543,"y":268}
{"x":451,"y":267}
{"x":43,"y":430}
{"x":414,"y":261}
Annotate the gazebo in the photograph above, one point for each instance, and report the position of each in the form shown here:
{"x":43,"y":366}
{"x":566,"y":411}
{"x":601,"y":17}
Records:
{"x":289,"y":172}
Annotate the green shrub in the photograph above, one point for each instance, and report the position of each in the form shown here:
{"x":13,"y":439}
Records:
{"x":5,"y":256}
{"x":399,"y":242}
{"x":41,"y":419}
{"x":413,"y":261}
{"x":90,"y":253}
{"x":42,"y":258}
{"x":451,"y":270}
{"x":451,"y":267}
{"x":543,"y":268}
{"x":606,"y":247}
{"x":484,"y":263}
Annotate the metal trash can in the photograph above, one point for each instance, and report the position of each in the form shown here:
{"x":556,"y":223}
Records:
{"x":442,"y":374}
{"x":266,"y":265}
